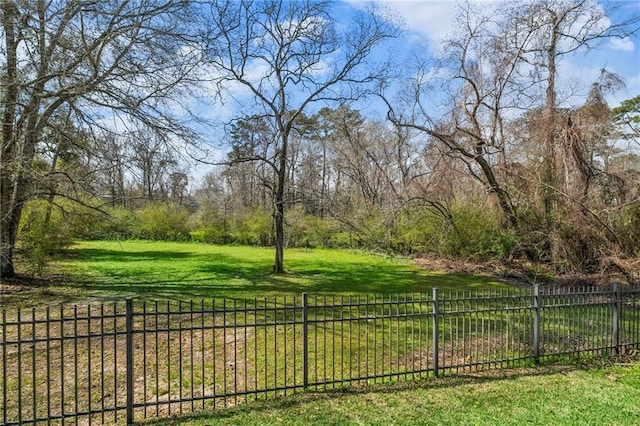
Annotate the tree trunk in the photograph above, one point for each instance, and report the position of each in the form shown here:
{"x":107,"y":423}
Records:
{"x":281,"y":176}
{"x":549,"y":161}
{"x":8,"y":230}
{"x":278,"y":266}
{"x":503,"y":196}
{"x":8,"y":145}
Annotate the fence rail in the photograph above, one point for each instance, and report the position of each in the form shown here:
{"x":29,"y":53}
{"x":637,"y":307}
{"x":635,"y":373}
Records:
{"x":120,"y":362}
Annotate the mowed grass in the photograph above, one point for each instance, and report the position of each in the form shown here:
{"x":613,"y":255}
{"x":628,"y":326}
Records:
{"x":555,"y":395}
{"x":165,"y":270}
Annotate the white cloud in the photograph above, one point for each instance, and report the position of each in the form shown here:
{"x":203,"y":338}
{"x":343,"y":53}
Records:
{"x":429,"y":18}
{"x":624,"y":44}
{"x":432,"y":19}
{"x":575,"y":80}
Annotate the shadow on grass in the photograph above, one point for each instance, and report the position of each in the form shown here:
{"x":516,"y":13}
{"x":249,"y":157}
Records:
{"x":106,"y":255}
{"x":185,"y":274}
{"x":310,"y":397}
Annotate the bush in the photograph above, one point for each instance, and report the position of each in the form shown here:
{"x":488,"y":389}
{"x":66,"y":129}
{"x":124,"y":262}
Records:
{"x":417,"y":231}
{"x":368,"y":229}
{"x":627,"y":227}
{"x":210,"y":224}
{"x":118,"y":224}
{"x":163,"y":221}
{"x":304,"y":230}
{"x":575,"y":241}
{"x":470,"y":232}
{"x":213,"y":234}
{"x":253,"y":227}
{"x":40,"y":237}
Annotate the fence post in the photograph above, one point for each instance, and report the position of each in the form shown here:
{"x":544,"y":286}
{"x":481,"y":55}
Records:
{"x":129,"y":348}
{"x":536,"y":324}
{"x":305,"y":341}
{"x":4,"y":364}
{"x":436,"y":311}
{"x":616,"y":317}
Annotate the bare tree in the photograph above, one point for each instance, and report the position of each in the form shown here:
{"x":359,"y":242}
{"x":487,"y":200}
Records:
{"x":483,"y":86}
{"x":500,"y":61}
{"x":92,"y":58}
{"x":153,"y":162}
{"x":111,"y":160}
{"x":290,"y":55}
{"x":555,"y":29}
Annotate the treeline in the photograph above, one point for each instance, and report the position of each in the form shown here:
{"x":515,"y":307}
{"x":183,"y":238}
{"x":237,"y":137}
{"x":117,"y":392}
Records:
{"x":482,"y":153}
{"x":417,"y":231}
{"x":357,"y":183}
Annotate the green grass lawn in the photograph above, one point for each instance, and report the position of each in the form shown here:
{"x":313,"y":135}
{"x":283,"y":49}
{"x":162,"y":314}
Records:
{"x":555,"y":395}
{"x":146,"y":269}
{"x":159,"y":270}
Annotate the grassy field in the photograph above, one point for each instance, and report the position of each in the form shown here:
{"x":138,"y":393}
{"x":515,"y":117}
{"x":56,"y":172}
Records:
{"x":554,"y":395}
{"x":155,"y":270}
{"x":151,"y":270}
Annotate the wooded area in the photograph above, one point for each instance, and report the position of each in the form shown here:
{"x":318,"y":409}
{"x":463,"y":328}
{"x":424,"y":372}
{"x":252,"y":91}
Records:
{"x":102,"y":106}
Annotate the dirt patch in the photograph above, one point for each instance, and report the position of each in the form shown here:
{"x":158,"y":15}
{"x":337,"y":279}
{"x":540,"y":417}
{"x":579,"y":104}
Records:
{"x":474,"y":354}
{"x":22,"y":283}
{"x":520,"y":274}
{"x":509,"y":273}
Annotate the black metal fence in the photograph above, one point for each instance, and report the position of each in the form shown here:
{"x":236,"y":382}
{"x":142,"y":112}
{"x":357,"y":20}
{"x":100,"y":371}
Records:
{"x":116,"y":363}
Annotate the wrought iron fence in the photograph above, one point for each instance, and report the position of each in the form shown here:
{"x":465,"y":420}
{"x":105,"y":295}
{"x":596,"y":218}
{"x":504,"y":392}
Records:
{"x":116,"y":363}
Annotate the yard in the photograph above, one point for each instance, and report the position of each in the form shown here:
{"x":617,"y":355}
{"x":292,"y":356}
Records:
{"x":244,"y":335}
{"x":164,"y":270}
{"x":551,"y":395}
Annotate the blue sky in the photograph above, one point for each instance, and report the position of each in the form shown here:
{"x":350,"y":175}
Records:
{"x":426,"y":22}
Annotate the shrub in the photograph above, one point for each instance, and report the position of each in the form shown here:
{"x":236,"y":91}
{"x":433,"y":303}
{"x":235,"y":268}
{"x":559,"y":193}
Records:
{"x":253,"y":227}
{"x":41,"y":237}
{"x":304,"y":230}
{"x":476,"y":232}
{"x":470,"y":232}
{"x":163,"y":221}
{"x":118,"y":223}
{"x":212,"y":234}
{"x":210,"y":223}
{"x":627,"y":227}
